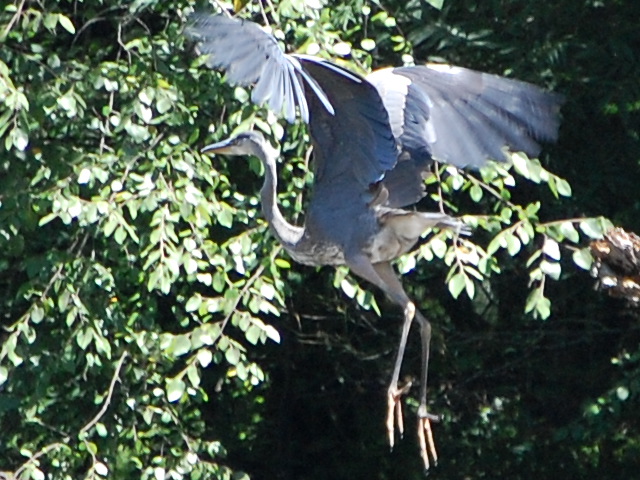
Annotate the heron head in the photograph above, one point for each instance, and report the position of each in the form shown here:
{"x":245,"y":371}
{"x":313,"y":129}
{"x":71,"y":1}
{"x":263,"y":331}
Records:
{"x":245,"y":143}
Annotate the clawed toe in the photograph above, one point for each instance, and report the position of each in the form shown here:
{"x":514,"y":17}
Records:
{"x":395,"y":419}
{"x":394,"y":411}
{"x":425,"y":437}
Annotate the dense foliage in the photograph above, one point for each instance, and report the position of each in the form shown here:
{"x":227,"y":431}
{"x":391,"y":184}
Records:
{"x":152,"y":328}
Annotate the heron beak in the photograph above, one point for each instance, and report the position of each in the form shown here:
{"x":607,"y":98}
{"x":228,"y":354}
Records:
{"x":220,"y":147}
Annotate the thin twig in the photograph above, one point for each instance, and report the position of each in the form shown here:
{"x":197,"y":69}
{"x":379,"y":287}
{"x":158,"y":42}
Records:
{"x":107,"y":401}
{"x":34,"y":457}
{"x":243,"y":292}
{"x":13,"y":20}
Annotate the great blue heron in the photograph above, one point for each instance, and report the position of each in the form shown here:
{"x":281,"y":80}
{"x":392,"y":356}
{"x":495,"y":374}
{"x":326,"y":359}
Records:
{"x":374,"y":138}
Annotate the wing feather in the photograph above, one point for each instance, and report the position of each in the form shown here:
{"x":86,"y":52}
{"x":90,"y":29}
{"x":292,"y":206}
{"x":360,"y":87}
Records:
{"x":463,"y":117}
{"x":357,"y":141}
{"x":251,"y":56}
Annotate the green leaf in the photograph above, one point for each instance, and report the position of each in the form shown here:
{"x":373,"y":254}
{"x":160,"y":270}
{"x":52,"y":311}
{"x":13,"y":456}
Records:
{"x":475,"y":192}
{"x":267,"y":291}
{"x":232,"y":355}
{"x":563,"y":187}
{"x":524,"y":233}
{"x":4,"y":374}
{"x":37,"y":313}
{"x":551,"y":248}
{"x":19,"y":139}
{"x":553,"y":269}
{"x":506,"y":214}
{"x":120,"y":235}
{"x":225,"y":216}
{"x":175,"y":388}
{"x":569,"y":231}
{"x":66,"y":23}
{"x":101,"y":430}
{"x":495,"y":243}
{"x":84,"y":176}
{"x":520,"y":164}
{"x":513,"y":243}
{"x":193,"y":374}
{"x":543,"y":308}
{"x":282,"y":263}
{"x":368,"y":44}
{"x":469,"y":286}
{"x":83,"y":339}
{"x":538,"y":304}
{"x":272,"y":333}
{"x":456,"y":284}
{"x":348,"y":288}
{"x":438,"y":246}
{"x":204,"y":356}
{"x":253,"y":334}
{"x":592,"y":227}
{"x":582,"y":258}
{"x":436,"y":3}
{"x":193,"y":303}
{"x":342,"y":49}
{"x":532,"y":300}
{"x":180,"y":345}
{"x":622,"y":393}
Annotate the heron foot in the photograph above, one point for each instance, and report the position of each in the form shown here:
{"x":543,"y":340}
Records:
{"x":394,"y":411}
{"x":425,"y":436}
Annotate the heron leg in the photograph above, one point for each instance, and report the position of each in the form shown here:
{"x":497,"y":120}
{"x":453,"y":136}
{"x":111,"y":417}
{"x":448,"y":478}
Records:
{"x":425,"y":436}
{"x":394,"y":393}
{"x":383,"y":275}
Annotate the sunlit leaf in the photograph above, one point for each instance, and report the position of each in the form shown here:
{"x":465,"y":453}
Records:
{"x":456,"y":284}
{"x":232,"y":355}
{"x":193,"y":303}
{"x":592,"y":227}
{"x":175,"y":388}
{"x":101,"y":430}
{"x":368,"y":44}
{"x":348,"y":288}
{"x":436,"y":3}
{"x":551,"y":248}
{"x":622,"y":393}
{"x":563,"y":187}
{"x":475,"y":192}
{"x":66,"y":23}
{"x":205,"y":357}
{"x":582,"y":258}
{"x":569,"y":231}
{"x":438,"y":246}
{"x":20,"y":139}
{"x":272,"y":333}
{"x":193,"y":375}
{"x":553,"y":269}
{"x":343,"y":49}
{"x":253,"y":334}
{"x":513,"y":243}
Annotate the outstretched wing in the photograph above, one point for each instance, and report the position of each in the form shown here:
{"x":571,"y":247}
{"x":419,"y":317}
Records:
{"x":250,"y":56}
{"x":463,"y":117}
{"x":354,"y":144}
{"x":354,"y":150}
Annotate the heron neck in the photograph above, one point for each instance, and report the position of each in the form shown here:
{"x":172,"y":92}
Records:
{"x":287,"y":234}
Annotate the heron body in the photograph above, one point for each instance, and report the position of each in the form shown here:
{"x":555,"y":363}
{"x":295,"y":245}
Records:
{"x":374,"y":141}
{"x":381,"y":233}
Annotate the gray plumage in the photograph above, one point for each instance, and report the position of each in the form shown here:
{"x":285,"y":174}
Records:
{"x":374,"y":140}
